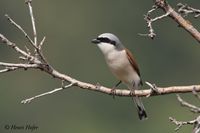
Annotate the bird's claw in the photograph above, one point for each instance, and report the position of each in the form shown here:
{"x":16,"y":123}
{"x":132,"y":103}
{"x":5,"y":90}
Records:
{"x":98,"y":85}
{"x":113,"y":92}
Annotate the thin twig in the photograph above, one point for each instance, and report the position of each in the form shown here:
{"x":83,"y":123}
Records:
{"x":41,"y":43}
{"x":185,"y":10}
{"x":28,"y":2}
{"x":196,"y":127}
{"x":30,"y":58}
{"x":8,"y":69}
{"x":153,"y":88}
{"x":19,"y":65}
{"x":40,"y":53}
{"x":179,"y":124}
{"x":21,"y":29}
{"x":160,"y":17}
{"x":192,"y":107}
{"x":28,"y":100}
{"x":37,"y":46}
{"x":150,"y":20}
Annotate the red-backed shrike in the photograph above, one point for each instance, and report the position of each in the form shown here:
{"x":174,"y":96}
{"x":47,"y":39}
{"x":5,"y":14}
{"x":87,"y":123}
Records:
{"x":122,"y":65}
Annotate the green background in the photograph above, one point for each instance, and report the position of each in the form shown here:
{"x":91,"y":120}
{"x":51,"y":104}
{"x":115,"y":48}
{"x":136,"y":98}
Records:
{"x":172,"y":58}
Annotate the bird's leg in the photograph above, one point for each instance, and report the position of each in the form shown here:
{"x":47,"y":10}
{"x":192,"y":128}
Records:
{"x":132,"y":91}
{"x":113,"y":91}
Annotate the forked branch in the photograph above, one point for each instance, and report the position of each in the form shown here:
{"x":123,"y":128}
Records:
{"x":186,"y":10}
{"x":170,"y":12}
{"x":179,"y":124}
{"x":194,"y":109}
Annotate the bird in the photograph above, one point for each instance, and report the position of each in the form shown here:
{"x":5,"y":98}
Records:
{"x":123,"y":66}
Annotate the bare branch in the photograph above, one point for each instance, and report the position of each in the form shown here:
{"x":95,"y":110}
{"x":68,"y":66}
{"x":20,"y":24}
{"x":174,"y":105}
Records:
{"x":8,"y":69}
{"x":121,"y":92}
{"x":185,"y":10}
{"x":25,"y":66}
{"x":28,"y":2}
{"x":179,"y":124}
{"x":37,"y":46}
{"x":192,"y":108}
{"x":21,"y":29}
{"x":196,"y":127}
{"x":39,"y":51}
{"x":195,"y":122}
{"x":150,"y":20}
{"x":4,"y":40}
{"x":178,"y":18}
{"x":34,"y":44}
{"x":28,"y":100}
{"x":41,"y":43}
{"x":169,"y":11}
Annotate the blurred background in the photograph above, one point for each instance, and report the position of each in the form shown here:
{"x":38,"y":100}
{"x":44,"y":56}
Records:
{"x":172,"y":58}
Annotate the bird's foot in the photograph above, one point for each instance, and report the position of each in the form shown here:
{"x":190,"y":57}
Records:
{"x":98,"y":86}
{"x":132,"y":93}
{"x":113,"y":92}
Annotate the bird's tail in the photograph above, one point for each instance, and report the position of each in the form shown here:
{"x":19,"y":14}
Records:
{"x":140,"y":108}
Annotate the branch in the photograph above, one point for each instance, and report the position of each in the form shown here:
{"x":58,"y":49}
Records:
{"x":28,"y":100}
{"x":28,"y":2}
{"x":179,"y":19}
{"x":25,"y":66}
{"x":192,"y":107}
{"x":119,"y":92}
{"x":21,"y":29}
{"x":26,"y":55}
{"x":150,"y":20}
{"x":169,"y":11}
{"x":185,"y":10}
{"x":34,"y":44}
{"x":179,"y":124}
{"x":8,"y":69}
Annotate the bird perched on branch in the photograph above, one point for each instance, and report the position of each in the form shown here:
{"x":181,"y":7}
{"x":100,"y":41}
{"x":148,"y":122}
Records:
{"x":123,"y":65}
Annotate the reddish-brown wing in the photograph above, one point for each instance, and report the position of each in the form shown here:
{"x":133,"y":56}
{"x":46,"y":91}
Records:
{"x":133,"y":62}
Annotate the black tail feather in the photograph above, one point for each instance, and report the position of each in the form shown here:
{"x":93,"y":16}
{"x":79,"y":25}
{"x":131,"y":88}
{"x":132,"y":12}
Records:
{"x":140,"y":108}
{"x":141,"y":113}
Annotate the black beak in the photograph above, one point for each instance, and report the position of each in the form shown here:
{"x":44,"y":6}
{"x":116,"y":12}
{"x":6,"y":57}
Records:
{"x":95,"y":41}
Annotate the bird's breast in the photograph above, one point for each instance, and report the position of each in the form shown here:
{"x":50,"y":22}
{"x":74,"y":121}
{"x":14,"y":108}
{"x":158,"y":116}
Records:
{"x":121,"y":67}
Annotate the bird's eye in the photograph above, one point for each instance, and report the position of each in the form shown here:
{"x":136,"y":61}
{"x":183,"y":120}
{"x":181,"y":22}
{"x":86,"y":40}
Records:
{"x":113,"y":42}
{"x":106,"y":40}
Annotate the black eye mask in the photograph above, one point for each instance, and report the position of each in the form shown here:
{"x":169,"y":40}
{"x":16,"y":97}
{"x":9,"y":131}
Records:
{"x":106,"y":40}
